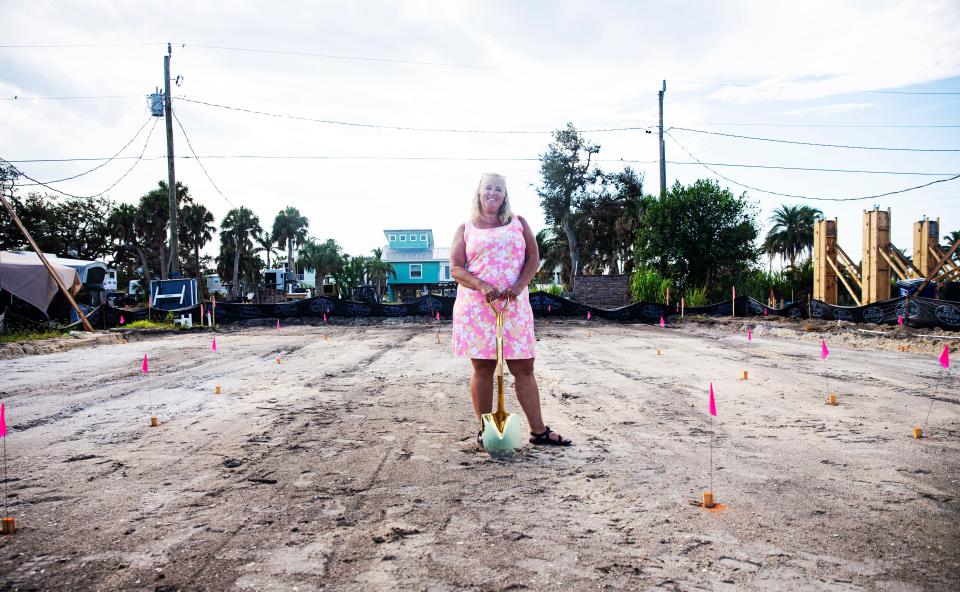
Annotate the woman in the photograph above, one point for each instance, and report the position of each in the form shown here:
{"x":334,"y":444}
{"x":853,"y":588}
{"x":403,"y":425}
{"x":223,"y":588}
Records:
{"x":494,"y":256}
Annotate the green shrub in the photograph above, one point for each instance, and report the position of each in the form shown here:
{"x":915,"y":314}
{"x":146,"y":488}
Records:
{"x":647,"y":285}
{"x":695,"y":296}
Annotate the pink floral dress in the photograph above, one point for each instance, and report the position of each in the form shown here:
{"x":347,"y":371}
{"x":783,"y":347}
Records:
{"x":496,"y":256}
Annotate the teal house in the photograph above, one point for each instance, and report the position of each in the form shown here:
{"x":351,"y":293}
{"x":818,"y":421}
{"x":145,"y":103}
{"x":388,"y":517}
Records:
{"x":421,"y":267}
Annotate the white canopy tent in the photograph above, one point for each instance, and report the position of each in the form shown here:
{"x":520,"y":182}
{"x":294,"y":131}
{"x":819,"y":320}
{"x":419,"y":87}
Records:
{"x":26,"y":278}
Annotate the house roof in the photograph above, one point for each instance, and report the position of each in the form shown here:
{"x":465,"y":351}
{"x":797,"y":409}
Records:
{"x":414,"y":255}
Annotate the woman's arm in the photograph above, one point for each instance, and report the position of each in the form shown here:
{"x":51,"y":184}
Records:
{"x":531,"y":262}
{"x":458,"y":262}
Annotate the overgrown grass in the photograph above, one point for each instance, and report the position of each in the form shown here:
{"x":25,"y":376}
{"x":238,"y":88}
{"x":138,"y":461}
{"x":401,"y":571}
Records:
{"x":647,"y":285}
{"x":145,"y":324}
{"x":695,"y":297}
{"x":29,"y":336}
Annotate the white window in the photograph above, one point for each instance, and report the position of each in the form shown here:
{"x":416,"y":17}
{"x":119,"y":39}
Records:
{"x":446,"y":272}
{"x":403,"y":237}
{"x":416,"y":270}
{"x":423,"y":238}
{"x":393,"y":238}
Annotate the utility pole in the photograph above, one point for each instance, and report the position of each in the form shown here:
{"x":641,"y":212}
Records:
{"x":663,"y":158}
{"x":171,"y":177}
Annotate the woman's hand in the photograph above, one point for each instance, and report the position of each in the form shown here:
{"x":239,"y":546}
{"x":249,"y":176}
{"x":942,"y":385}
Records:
{"x":490,"y":293}
{"x":514,"y":291}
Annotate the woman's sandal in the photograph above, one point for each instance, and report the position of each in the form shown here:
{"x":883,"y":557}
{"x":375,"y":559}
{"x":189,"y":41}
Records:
{"x":544,"y":439}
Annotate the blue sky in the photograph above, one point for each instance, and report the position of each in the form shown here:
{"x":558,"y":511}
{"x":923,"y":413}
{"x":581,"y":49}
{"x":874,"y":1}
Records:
{"x":786,"y":70}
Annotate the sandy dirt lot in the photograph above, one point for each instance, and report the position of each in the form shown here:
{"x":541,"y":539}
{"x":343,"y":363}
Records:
{"x":352,"y":464}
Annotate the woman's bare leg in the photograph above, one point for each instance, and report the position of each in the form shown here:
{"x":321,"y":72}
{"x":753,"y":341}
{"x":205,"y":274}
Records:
{"x":481,"y":386}
{"x":528,"y":394}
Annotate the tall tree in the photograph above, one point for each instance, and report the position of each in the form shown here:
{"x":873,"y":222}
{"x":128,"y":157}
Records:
{"x":237,"y":231}
{"x":379,"y":270}
{"x":553,"y":252}
{"x":699,"y":236}
{"x":267,"y":245}
{"x":67,"y":227}
{"x":351,"y":274}
{"x":792,"y":232}
{"x":567,"y":179}
{"x":290,"y":229}
{"x":196,"y":230}
{"x":324,"y":258}
{"x":153,"y":221}
{"x":608,"y":221}
{"x":123,"y":229}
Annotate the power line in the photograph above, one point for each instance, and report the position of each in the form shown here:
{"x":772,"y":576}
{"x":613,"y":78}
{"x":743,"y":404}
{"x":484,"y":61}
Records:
{"x":488,"y":159}
{"x":336,"y":57}
{"x":850,"y":92}
{"x":199,"y":162}
{"x":103,"y":164}
{"x":76,"y":45}
{"x":399,"y":128}
{"x":697,"y":131}
{"x":836,"y":125}
{"x":704,"y":165}
{"x":813,"y":169}
{"x":114,"y":184}
{"x":19,"y":98}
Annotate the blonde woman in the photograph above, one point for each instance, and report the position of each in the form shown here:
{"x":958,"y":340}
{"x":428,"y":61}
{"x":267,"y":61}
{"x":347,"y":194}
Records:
{"x":494,"y":256}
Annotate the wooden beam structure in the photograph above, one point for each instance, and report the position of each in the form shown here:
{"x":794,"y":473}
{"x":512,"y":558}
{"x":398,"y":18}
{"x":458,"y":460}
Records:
{"x":874,"y":268}
{"x":926,"y":242}
{"x":824,"y":261}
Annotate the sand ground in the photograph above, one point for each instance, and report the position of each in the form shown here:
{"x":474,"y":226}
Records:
{"x":352,"y":464}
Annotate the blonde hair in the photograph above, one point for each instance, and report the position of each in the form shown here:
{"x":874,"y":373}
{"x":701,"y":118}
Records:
{"x":505,"y":213}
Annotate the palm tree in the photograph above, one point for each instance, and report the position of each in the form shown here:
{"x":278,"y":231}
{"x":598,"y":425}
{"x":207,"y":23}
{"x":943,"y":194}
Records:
{"x":792,"y":232}
{"x":351,"y":274}
{"x":122,"y":224}
{"x":553,"y":252}
{"x":268,"y":245}
{"x":290,"y":227}
{"x":951,"y":238}
{"x":196,"y":228}
{"x":325,"y":258}
{"x":379,"y":270}
{"x":236,"y":230}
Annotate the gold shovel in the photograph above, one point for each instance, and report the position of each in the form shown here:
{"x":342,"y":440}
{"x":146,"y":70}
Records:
{"x":501,"y":433}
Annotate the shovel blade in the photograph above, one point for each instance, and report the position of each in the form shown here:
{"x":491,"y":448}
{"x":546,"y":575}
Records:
{"x":505,"y":442}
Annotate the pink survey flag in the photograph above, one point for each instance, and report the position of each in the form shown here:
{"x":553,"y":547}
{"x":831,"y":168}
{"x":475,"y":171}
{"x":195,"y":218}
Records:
{"x":662,"y":324}
{"x":324,"y":317}
{"x":3,"y":420}
{"x":749,"y":334}
{"x":945,"y":357}
{"x":145,"y":367}
{"x":900,"y":320}
{"x":549,"y":308}
{"x":824,"y":352}
{"x":213,"y":346}
{"x":278,"y":324}
{"x":713,"y":403}
{"x":121,"y":319}
{"x":438,"y":315}
{"x":764,"y":312}
{"x":588,"y":315}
